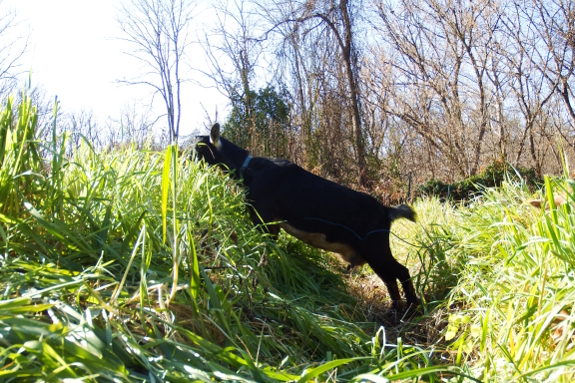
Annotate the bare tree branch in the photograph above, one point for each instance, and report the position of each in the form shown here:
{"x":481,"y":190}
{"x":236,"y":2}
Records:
{"x":158,"y":33}
{"x":13,"y":44}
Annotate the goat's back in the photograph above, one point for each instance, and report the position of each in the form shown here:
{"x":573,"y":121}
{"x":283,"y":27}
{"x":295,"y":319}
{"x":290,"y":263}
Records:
{"x":314,"y":203}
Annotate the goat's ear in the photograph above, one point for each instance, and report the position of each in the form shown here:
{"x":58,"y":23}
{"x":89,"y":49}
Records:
{"x":215,"y":134}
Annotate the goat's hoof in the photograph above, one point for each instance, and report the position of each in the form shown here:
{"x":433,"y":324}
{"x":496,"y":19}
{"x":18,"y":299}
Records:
{"x":411,"y":306}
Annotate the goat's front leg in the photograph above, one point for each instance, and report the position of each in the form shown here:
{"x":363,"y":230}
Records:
{"x":393,"y":291}
{"x":262,"y":221}
{"x":402,"y":274}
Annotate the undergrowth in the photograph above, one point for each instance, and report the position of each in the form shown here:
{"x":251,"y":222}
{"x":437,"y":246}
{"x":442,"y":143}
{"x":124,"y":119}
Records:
{"x":138,"y":265}
{"x":494,"y":175}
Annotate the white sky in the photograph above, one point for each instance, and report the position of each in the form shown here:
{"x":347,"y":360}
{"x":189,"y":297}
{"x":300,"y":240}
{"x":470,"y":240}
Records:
{"x":73,"y":54}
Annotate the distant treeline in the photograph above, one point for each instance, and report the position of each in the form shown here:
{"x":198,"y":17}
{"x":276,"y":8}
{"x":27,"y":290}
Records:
{"x":380,"y":94}
{"x":385,"y":92}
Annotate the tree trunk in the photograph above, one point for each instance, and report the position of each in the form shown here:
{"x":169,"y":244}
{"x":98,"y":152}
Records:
{"x":354,"y":93}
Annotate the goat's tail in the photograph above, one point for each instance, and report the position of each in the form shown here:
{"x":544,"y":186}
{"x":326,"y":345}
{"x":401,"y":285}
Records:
{"x":401,"y":211}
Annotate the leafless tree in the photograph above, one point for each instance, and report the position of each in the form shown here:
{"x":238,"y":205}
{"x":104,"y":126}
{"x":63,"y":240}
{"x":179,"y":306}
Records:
{"x":441,"y":52}
{"x":553,"y":21}
{"x":232,"y":47}
{"x":13,"y":44}
{"x":336,"y":22}
{"x":158,"y":34}
{"x":233,"y":52}
{"x":305,"y":56}
{"x":527,"y":64}
{"x":82,"y":125}
{"x":500,"y":91}
{"x":133,"y":125}
{"x":44,"y":108}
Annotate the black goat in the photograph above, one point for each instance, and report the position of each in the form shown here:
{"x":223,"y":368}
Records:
{"x":317,"y":211}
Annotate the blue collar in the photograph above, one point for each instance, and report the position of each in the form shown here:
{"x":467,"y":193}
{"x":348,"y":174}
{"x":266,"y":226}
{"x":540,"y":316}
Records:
{"x":245,"y":165}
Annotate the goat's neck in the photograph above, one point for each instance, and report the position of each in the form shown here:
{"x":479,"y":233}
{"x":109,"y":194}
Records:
{"x":237,"y":161}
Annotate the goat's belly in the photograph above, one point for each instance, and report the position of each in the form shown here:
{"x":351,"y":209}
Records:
{"x":319,"y":240}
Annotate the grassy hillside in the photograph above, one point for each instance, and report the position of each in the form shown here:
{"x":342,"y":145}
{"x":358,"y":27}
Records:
{"x":137,"y":265}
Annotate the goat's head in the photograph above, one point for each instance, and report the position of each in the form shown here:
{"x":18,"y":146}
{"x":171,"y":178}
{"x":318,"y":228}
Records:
{"x":217,"y":150}
{"x":209,"y":148}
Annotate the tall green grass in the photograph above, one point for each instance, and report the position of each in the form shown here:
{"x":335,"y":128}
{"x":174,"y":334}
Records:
{"x":139,"y":265}
{"x":509,"y":282}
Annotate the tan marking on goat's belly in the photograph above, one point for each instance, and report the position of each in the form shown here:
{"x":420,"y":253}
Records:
{"x":319,"y":240}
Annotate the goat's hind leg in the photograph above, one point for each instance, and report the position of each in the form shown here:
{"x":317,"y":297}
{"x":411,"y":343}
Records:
{"x":398,"y":271}
{"x":393,"y":290}
{"x":385,"y":272}
{"x":389,"y":270}
{"x":390,"y":280}
{"x":402,"y":274}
